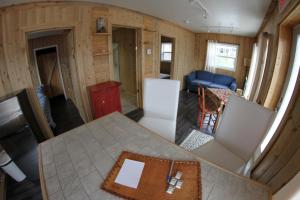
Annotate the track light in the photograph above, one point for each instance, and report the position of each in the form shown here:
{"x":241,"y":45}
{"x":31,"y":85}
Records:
{"x":199,"y":5}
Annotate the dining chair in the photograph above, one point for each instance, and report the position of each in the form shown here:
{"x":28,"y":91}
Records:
{"x":161,"y":98}
{"x":241,"y":129}
{"x":208,"y":107}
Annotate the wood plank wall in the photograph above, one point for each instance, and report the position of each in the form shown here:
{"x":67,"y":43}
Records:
{"x":273,"y":83}
{"x":17,"y":20}
{"x":245,"y":51}
{"x":280,"y":162}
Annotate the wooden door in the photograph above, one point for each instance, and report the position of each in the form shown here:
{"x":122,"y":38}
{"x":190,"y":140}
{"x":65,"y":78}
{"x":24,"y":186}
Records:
{"x":49,"y":73}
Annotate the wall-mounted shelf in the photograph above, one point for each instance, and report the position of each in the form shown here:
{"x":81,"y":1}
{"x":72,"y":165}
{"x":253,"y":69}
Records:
{"x":102,"y":53}
{"x":102,"y":34}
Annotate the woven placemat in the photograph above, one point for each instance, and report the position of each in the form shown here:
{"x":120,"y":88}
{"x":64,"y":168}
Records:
{"x":153,"y":184}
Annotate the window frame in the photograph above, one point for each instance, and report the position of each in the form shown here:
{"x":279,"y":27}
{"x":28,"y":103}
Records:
{"x":235,"y":59}
{"x":162,"y":53}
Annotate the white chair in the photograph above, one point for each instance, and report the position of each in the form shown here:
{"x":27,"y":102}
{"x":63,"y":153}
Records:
{"x":160,"y":106}
{"x":241,"y":130}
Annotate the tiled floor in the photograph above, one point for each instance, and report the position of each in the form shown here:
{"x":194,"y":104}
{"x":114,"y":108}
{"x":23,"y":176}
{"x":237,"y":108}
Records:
{"x":25,"y":190}
{"x":128,"y":102}
{"x":65,"y":114}
{"x":84,"y":156}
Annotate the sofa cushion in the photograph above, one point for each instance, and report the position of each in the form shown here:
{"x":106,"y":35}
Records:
{"x":205,"y":76}
{"x":222,"y":79}
{"x":192,"y":76}
{"x":215,"y":85}
{"x":201,"y":83}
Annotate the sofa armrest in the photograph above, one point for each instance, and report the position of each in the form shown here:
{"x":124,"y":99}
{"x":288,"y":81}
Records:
{"x":190,"y":77}
{"x":188,"y":80}
{"x":233,"y":86}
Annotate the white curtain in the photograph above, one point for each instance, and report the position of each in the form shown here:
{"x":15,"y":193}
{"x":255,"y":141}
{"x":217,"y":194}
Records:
{"x":252,"y":72}
{"x":210,"y":56}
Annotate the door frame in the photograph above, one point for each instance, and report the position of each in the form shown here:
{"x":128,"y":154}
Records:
{"x":58,"y":65}
{"x":172,"y":70}
{"x":138,"y":61}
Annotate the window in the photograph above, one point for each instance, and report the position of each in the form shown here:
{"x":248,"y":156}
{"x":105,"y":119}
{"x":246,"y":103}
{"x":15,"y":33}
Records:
{"x":226,"y":56}
{"x":252,"y":72}
{"x":221,"y":55}
{"x":166,"y":51}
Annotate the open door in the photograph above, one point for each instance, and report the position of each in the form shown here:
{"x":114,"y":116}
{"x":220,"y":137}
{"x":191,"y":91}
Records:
{"x":125,"y":61}
{"x":48,"y":67}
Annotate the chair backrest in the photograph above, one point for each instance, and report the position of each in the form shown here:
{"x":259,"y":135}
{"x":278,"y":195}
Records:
{"x":161,"y":98}
{"x":243,"y":126}
{"x":205,"y":95}
{"x":201,"y":98}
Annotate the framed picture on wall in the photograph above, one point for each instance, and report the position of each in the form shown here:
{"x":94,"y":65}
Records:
{"x":101,"y":25}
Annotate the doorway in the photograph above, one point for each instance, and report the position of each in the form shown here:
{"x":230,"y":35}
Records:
{"x":49,"y":71}
{"x":125,"y":65}
{"x":167,"y":49}
{"x":54,"y":76}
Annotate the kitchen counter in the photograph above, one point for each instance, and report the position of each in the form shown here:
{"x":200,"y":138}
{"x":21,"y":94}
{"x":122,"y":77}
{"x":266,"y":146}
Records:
{"x":74,"y":164}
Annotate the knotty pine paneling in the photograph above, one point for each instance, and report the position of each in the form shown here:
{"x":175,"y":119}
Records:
{"x":280,"y":54}
{"x":184,"y":55}
{"x":245,"y":51}
{"x":19,"y":19}
{"x":280,"y":162}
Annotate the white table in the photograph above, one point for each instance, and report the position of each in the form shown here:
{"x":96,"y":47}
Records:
{"x":74,"y":164}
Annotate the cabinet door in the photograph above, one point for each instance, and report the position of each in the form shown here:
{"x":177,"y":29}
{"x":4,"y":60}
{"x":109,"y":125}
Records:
{"x":112,"y":101}
{"x":106,"y":101}
{"x":98,"y":104}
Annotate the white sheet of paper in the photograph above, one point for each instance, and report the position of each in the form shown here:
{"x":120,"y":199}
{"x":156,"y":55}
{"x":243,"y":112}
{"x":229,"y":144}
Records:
{"x":130,"y":173}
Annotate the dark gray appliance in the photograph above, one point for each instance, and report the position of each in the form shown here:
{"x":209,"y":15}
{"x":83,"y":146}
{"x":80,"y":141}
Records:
{"x":19,"y":133}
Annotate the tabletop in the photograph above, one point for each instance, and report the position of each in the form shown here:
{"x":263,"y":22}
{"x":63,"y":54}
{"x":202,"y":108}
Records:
{"x":222,"y":94}
{"x":73,"y":165}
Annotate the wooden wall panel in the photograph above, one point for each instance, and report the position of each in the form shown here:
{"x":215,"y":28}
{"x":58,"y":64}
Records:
{"x":101,"y":47}
{"x":282,"y":161}
{"x":245,"y":51}
{"x":124,"y":17}
{"x":149,"y":65}
{"x":19,"y":19}
{"x":15,"y":52}
{"x":5,"y":84}
{"x":184,"y":58}
{"x":273,"y":84}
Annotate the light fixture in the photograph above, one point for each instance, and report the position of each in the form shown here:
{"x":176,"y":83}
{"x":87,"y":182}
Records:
{"x":218,"y":29}
{"x":199,"y":5}
{"x":187,"y":21}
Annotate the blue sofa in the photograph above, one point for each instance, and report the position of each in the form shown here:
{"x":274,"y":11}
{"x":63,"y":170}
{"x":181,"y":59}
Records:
{"x":209,"y":80}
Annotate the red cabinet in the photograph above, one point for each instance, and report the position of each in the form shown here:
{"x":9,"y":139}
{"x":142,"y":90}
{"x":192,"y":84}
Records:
{"x":105,"y":98}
